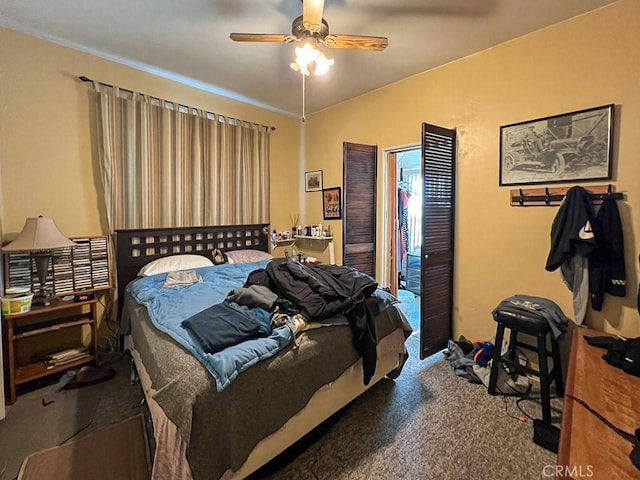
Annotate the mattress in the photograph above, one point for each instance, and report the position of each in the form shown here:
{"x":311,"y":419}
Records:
{"x":216,"y":432}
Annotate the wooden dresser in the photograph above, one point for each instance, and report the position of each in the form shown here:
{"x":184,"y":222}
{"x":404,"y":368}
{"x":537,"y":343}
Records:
{"x":588,"y":448}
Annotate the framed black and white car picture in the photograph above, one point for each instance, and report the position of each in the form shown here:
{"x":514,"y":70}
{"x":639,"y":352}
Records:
{"x":570,"y":147}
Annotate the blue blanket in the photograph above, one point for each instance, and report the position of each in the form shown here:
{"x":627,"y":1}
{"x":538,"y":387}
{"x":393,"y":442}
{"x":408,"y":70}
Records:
{"x":168,"y":307}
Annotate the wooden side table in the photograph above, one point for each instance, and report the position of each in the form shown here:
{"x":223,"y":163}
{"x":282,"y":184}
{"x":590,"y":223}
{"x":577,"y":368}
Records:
{"x":40,"y":321}
{"x":588,"y":448}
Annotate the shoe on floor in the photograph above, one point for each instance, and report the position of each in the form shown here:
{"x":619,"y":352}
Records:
{"x":88,"y":375}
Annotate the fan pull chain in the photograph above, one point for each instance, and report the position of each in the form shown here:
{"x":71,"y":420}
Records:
{"x":303,"y":97}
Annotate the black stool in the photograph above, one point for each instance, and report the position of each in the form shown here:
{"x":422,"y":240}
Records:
{"x":519,"y":321}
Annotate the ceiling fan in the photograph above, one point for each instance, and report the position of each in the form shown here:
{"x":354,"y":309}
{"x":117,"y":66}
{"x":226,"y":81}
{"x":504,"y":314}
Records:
{"x":311,"y":26}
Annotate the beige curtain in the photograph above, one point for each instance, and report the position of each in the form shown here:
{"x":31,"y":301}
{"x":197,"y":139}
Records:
{"x":166,"y":165}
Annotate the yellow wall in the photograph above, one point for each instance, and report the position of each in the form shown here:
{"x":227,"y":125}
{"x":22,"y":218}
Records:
{"x":501,"y":250}
{"x":45,"y":144}
{"x":46,"y":162}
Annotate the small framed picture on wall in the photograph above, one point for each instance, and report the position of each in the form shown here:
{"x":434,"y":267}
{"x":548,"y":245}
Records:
{"x":331,"y":203}
{"x":313,"y":181}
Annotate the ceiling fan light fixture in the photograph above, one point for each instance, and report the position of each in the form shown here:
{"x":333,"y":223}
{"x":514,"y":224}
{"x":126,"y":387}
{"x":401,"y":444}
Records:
{"x":323,"y":64}
{"x":305,"y":56}
{"x":309,"y":59}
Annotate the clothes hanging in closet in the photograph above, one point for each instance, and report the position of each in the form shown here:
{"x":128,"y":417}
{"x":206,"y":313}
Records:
{"x":403,"y":216}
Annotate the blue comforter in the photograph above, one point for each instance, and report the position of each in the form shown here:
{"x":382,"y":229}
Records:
{"x":168,"y":307}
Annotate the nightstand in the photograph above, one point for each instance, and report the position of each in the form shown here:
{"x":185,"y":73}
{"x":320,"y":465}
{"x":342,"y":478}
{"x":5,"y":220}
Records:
{"x":58,"y":317}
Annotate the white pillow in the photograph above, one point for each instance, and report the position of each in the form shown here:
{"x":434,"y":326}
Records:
{"x":174,"y":263}
{"x":247,"y":256}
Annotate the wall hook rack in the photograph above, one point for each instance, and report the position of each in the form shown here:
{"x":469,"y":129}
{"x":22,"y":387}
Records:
{"x":552,"y":196}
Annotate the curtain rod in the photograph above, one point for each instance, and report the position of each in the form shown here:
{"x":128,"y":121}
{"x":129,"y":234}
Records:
{"x":89,"y":80}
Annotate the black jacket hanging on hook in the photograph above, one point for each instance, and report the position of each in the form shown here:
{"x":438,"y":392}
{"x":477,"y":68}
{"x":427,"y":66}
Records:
{"x":606,"y":263}
{"x":571,"y":232}
{"x":572,"y":241}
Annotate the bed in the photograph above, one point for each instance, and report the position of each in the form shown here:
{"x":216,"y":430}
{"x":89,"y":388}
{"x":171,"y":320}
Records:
{"x":204,"y":432}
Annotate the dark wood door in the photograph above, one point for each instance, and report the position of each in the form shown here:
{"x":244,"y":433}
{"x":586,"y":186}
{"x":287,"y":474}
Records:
{"x":438,"y":207}
{"x":359,"y":206}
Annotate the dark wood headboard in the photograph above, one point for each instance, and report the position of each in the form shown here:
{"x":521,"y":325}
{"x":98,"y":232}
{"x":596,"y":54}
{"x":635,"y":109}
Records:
{"x":137,"y":247}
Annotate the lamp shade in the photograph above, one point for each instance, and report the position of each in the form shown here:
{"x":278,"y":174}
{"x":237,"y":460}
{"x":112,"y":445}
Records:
{"x":38,"y":234}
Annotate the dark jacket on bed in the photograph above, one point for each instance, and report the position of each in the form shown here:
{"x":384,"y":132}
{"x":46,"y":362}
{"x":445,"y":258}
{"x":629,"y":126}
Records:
{"x":322,"y":291}
{"x":226,"y":324}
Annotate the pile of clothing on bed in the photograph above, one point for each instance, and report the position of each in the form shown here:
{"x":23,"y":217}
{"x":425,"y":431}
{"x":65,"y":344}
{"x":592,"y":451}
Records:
{"x":472,"y":360}
{"x":289,"y":293}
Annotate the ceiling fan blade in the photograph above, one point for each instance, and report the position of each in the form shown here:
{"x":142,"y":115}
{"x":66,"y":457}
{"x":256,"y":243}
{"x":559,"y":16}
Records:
{"x":262,"y":37}
{"x":357,"y":42}
{"x":312,"y":14}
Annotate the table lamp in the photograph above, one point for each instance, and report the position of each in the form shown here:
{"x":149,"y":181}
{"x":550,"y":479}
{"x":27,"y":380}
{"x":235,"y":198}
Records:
{"x":40,"y":236}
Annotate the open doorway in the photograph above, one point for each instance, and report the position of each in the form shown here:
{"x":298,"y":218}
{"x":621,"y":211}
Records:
{"x":409,"y":185}
{"x":433,"y":186}
{"x":404,"y":207}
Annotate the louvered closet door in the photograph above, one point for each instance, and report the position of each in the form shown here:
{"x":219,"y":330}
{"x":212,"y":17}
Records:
{"x":359,"y":207}
{"x":438,"y":164}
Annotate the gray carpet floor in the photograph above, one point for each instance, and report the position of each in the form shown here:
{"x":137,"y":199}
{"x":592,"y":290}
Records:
{"x":427,"y":424}
{"x":30,"y":426}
